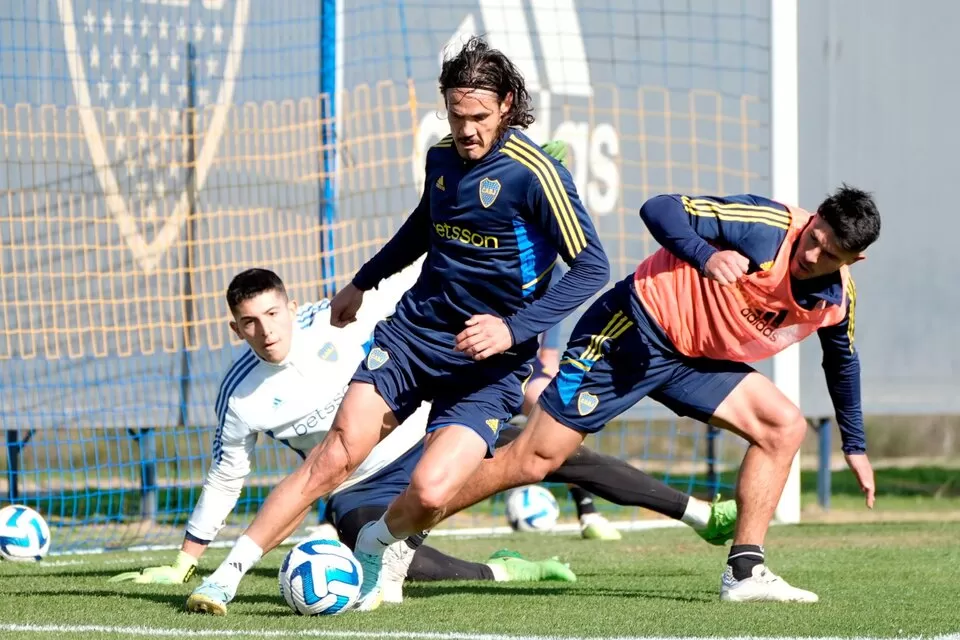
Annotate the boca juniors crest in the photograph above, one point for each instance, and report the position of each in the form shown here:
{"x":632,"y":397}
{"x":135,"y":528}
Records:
{"x":586,"y":403}
{"x":489,"y":190}
{"x":128,"y":64}
{"x":377,"y":358}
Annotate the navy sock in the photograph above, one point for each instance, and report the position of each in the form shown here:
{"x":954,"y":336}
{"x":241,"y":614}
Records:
{"x":584,"y":501}
{"x":743,"y":558}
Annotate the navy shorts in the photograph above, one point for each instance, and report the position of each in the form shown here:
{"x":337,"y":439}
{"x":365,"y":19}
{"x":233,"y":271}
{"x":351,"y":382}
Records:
{"x":406,"y":371}
{"x":617,"y":356}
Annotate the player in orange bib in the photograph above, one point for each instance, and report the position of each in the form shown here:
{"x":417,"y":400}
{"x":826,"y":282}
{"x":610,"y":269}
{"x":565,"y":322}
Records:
{"x":738,"y":279}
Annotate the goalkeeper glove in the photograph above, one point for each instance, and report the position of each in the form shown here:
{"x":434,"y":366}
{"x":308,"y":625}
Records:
{"x":179,"y":572}
{"x":558,"y":150}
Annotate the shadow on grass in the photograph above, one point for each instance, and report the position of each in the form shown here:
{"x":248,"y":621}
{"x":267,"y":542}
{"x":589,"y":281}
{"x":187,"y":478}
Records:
{"x":174,"y":601}
{"x":435,"y":589}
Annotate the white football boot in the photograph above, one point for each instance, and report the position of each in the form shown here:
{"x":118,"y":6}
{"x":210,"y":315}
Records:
{"x":763,"y":586}
{"x":396,"y":563}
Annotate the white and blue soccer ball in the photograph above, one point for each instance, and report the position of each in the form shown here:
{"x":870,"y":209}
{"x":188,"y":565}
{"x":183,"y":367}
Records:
{"x":24,"y":534}
{"x":320,"y":577}
{"x":532,"y":508}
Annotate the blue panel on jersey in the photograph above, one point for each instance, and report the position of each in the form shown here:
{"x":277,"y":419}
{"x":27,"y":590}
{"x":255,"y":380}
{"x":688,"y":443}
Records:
{"x":528,"y":266}
{"x":537,"y":255}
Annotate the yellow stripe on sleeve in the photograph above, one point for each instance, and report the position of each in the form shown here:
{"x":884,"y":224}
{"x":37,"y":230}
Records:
{"x":446,"y":141}
{"x":551,"y":172}
{"x":564,"y":231}
{"x":851,"y":317}
{"x":554,"y":191}
{"x":540,"y":277}
{"x":736,"y":212}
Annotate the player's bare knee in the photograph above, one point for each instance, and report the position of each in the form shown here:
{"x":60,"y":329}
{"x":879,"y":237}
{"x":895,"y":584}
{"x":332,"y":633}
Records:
{"x":795,"y":431}
{"x":783,"y":431}
{"x":432,"y":496}
{"x":434,"y":500}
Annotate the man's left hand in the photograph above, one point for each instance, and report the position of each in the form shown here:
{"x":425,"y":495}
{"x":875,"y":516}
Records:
{"x":859,"y":463}
{"x":484,"y":336}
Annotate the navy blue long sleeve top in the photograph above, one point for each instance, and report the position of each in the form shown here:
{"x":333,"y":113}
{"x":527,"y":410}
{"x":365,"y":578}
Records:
{"x":493,"y":230}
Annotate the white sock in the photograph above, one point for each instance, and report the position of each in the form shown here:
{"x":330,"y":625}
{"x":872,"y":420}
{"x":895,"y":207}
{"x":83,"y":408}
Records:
{"x":590,"y":518}
{"x":697,"y":514}
{"x":499,"y":572}
{"x":244,"y":556}
{"x":376,"y":538}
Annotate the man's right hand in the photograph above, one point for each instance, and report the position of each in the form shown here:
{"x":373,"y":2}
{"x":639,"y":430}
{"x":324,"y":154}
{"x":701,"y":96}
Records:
{"x":179,"y":572}
{"x":726,"y":267}
{"x":344,"y":306}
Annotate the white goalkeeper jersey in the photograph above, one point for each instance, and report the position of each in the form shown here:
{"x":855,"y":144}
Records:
{"x":294,"y":402}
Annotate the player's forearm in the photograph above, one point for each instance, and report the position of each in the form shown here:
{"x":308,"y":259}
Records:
{"x":669,"y":224}
{"x":588,"y":274}
{"x":409,"y":243}
{"x":843,"y":383}
{"x":841,"y":367}
{"x":215,"y":504}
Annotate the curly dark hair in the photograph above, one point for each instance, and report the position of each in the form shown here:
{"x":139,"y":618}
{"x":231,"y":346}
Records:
{"x":477,"y":66}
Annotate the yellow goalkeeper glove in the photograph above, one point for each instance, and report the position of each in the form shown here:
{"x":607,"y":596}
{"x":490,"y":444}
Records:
{"x":179,"y":572}
{"x":558,"y":150}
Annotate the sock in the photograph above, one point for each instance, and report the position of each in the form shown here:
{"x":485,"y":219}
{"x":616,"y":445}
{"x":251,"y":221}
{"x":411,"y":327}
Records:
{"x":373,"y":540}
{"x":584,"y":501}
{"x":696,"y":514}
{"x":743,"y":558}
{"x":615,"y":481}
{"x":244,"y":556}
{"x":431,"y":564}
{"x":499,"y":572}
{"x":588,"y":519}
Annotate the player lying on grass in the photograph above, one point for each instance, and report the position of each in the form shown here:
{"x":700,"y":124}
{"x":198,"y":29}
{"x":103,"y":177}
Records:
{"x":287,"y":385}
{"x":495,"y":214}
{"x":738,"y":279}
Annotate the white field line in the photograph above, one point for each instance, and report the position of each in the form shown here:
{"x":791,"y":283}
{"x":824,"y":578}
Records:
{"x":372,"y":635}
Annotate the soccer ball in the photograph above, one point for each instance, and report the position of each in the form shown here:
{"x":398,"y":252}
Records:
{"x":532,"y":508}
{"x":320,"y":577}
{"x":24,"y":534}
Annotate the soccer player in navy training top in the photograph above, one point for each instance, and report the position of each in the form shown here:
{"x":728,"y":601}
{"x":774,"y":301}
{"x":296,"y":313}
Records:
{"x":496,"y":212}
{"x":738,"y":279}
